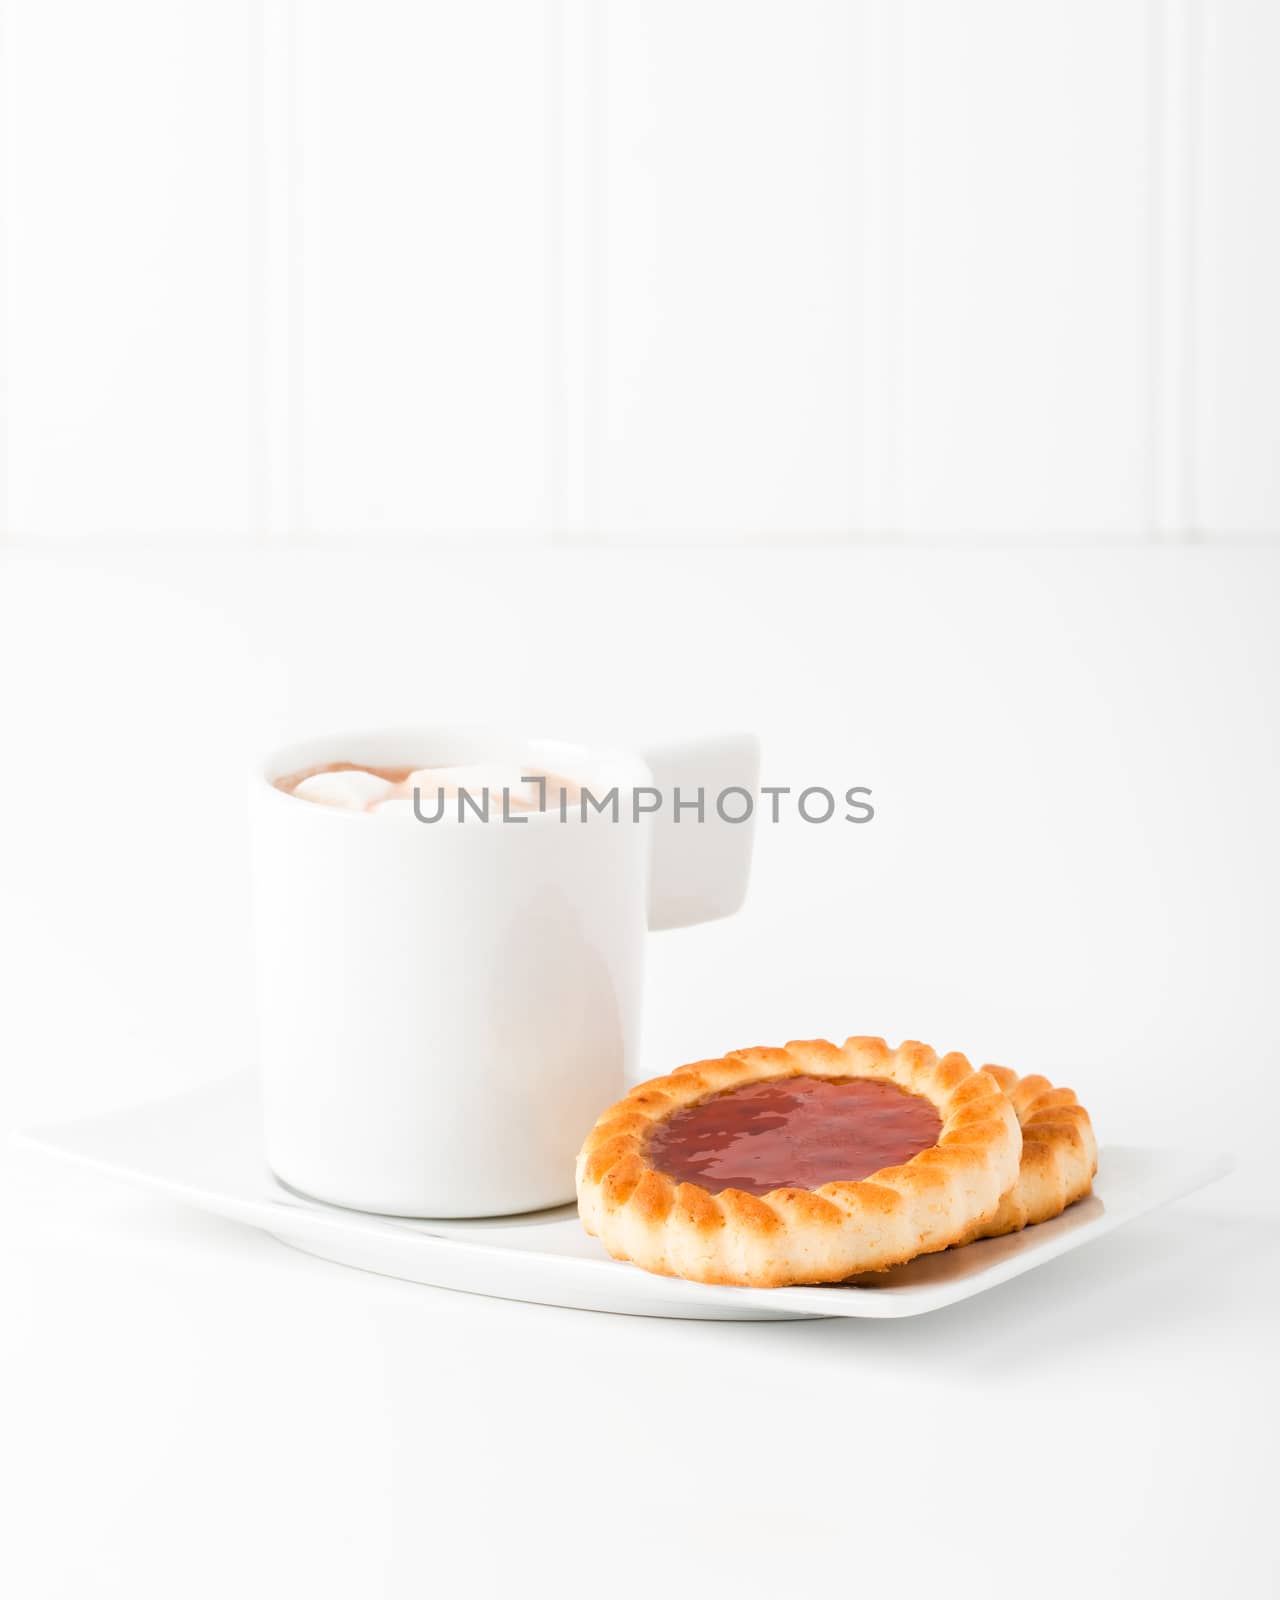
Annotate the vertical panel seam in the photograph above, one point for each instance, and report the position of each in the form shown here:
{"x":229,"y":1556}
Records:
{"x":569,"y":90}
{"x":5,"y":102}
{"x":1194,"y":55}
{"x":595,"y":266}
{"x":295,"y":523}
{"x":857,"y":203}
{"x":555,"y":156}
{"x":895,"y":267}
{"x":883,"y":91}
{"x":276,"y":43}
{"x":1172,"y":250}
{"x":1153,"y":332}
{"x":257,"y":422}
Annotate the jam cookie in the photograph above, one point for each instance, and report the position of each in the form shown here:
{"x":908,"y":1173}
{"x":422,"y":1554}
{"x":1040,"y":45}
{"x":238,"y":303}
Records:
{"x":801,"y":1165}
{"x":1059,"y":1154}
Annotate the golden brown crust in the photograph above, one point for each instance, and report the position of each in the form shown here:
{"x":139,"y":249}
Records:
{"x":1059,"y":1154}
{"x":801,"y":1235}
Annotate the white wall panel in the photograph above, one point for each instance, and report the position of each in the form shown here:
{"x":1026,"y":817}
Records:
{"x":1026,"y":155}
{"x":1238,"y":272}
{"x":725,"y":380}
{"x":131,"y":336}
{"x":916,"y":269}
{"x":422,"y":262}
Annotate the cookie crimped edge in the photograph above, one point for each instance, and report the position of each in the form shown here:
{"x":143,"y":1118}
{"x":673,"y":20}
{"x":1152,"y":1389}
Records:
{"x":1059,"y":1154}
{"x":791,"y":1236}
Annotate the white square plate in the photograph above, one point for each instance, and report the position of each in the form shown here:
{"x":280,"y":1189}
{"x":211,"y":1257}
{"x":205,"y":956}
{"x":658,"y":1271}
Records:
{"x":204,"y":1148}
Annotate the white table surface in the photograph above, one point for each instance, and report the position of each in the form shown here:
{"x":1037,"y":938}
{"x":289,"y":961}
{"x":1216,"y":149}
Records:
{"x":1074,"y":870}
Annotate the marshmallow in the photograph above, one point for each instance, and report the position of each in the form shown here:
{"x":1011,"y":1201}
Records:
{"x":358,"y":790}
{"x":349,"y":791}
{"x":474,"y":779}
{"x":436,"y":781}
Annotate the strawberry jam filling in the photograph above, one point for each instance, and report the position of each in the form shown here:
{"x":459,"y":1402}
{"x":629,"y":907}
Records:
{"x":793,"y":1133}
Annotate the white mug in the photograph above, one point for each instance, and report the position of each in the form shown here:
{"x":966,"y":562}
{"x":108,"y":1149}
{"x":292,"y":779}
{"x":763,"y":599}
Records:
{"x":445,"y":1008}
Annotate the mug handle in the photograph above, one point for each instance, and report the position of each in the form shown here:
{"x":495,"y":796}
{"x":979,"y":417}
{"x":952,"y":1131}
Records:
{"x":700,"y":852}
